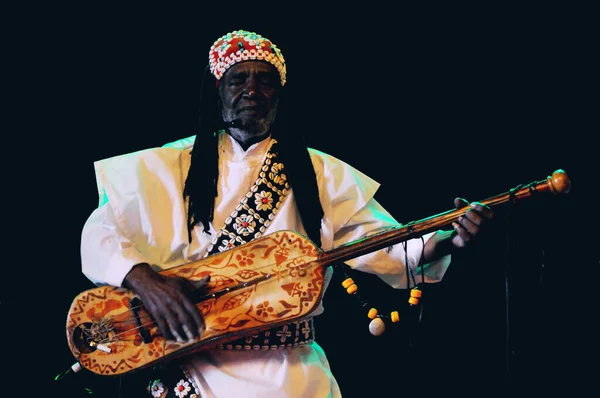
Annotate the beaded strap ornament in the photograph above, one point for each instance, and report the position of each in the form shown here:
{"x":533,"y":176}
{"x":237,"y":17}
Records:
{"x":241,"y":45}
{"x":377,"y":324}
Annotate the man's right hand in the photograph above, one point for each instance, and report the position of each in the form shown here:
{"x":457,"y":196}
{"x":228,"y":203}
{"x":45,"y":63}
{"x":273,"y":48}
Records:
{"x":168,"y":302}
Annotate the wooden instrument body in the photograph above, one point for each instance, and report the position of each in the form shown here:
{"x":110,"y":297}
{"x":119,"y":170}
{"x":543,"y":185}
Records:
{"x":291,"y":288}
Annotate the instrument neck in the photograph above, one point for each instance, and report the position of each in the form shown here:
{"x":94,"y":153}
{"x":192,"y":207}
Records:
{"x":421,"y":227}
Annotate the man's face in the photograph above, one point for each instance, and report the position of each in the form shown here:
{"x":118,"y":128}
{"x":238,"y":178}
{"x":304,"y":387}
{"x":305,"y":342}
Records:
{"x":249,"y":92}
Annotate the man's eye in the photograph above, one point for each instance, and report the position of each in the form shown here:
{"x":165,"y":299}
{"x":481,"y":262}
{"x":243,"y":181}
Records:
{"x":269,"y":81}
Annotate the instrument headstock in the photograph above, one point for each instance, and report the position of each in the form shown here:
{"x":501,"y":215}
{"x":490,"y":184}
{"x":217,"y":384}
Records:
{"x":559,"y":182}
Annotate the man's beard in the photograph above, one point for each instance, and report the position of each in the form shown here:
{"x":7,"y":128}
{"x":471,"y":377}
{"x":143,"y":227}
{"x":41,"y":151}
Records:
{"x":257,"y":127}
{"x":261,"y":126}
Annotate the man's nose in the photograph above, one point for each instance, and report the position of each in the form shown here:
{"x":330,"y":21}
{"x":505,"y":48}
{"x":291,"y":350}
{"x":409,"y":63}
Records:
{"x":252,"y":88}
{"x":249,"y":92}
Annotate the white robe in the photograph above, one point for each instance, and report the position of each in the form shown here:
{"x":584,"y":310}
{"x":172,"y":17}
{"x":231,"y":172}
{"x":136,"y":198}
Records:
{"x":141,"y":218}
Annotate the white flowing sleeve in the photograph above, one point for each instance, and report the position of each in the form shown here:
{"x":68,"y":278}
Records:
{"x":106,"y":254}
{"x":352,"y":213}
{"x":140,"y":216}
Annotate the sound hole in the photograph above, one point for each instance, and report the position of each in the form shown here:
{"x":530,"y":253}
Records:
{"x":80,"y":338}
{"x":86,"y":336}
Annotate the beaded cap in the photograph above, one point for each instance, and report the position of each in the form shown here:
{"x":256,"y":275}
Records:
{"x":242,"y":45}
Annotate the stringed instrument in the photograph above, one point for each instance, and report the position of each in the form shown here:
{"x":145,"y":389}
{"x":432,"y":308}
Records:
{"x":270,"y":281}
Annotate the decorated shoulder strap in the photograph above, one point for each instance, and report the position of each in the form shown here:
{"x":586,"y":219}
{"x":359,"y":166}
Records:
{"x":257,"y":208}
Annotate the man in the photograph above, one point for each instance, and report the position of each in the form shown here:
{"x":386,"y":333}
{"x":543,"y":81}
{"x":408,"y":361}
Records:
{"x":198,"y":196}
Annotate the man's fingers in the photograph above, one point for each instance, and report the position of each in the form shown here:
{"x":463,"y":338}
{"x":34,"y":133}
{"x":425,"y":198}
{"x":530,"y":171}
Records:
{"x":199,"y":284}
{"x":469,"y":225}
{"x":471,"y":218}
{"x":157,"y":313}
{"x":196,"y":322}
{"x":175,"y":326}
{"x":185,"y":322}
{"x":174,"y":311}
{"x":164,"y":328}
{"x":483,"y":210}
{"x":478,"y":207}
{"x":460,"y":237}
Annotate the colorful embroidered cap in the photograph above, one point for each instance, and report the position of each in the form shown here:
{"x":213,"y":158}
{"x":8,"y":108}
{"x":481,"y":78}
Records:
{"x":241,"y":45}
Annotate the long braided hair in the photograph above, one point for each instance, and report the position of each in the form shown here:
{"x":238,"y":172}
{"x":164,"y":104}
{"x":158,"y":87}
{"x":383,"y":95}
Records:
{"x":201,"y":183}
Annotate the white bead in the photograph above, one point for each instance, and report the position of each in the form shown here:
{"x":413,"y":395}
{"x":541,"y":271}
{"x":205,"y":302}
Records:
{"x":377,"y":327}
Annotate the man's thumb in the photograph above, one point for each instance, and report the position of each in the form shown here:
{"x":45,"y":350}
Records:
{"x":460,"y":202}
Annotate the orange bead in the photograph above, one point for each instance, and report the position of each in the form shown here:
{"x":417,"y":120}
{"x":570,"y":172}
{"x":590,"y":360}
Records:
{"x":395,"y":316}
{"x":352,"y":289}
{"x":372,"y":313}
{"x":413,"y":301}
{"x":347,"y":283}
{"x":415,"y":293}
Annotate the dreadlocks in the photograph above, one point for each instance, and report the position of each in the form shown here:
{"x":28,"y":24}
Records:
{"x":201,"y":183}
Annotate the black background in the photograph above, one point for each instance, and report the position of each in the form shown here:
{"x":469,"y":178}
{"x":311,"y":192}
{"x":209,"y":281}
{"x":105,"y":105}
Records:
{"x":433,"y":102}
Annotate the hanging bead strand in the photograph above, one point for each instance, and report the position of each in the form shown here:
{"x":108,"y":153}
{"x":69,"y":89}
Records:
{"x":377,"y":325}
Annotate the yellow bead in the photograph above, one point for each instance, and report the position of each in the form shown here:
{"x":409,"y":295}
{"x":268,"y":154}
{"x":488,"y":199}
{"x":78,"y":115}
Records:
{"x":415,"y":293}
{"x":372,"y":313}
{"x":413,"y":301}
{"x":395,"y":316}
{"x":347,"y":282}
{"x":352,"y":289}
